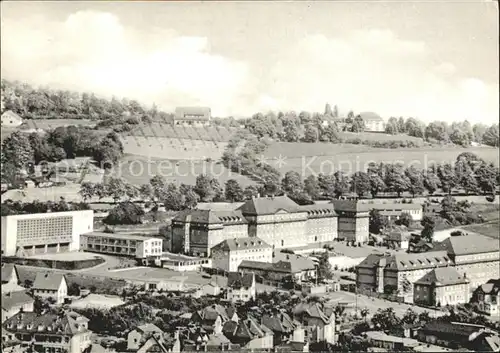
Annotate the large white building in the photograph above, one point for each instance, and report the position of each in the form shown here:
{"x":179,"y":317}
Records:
{"x":138,"y":246}
{"x":31,"y":234}
{"x":229,"y":254}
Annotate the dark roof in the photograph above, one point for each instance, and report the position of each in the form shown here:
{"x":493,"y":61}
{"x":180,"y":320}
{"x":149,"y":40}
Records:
{"x":392,"y":206}
{"x":456,"y":328}
{"x":192,"y":113}
{"x":147,"y":328}
{"x":256,"y":265}
{"x":443,"y":276}
{"x":490,"y":287}
{"x":68,"y":323}
{"x":7,"y":271}
{"x":471,"y":243}
{"x":404,"y":261}
{"x":350,"y":206}
{"x":313,"y":310}
{"x":399,"y":235}
{"x":15,"y":299}
{"x":370,"y":116}
{"x":211,"y":312}
{"x":229,"y":327}
{"x":241,"y":244}
{"x":280,"y":322}
{"x":210,"y":217}
{"x":250,"y":329}
{"x":48,"y":281}
{"x":269,"y":205}
{"x":238,"y":280}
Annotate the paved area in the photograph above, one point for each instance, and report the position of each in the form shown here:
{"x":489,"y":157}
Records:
{"x":66,"y":256}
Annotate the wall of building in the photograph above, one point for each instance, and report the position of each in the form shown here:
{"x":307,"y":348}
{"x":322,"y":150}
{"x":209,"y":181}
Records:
{"x":45,"y":232}
{"x":452,"y":295}
{"x":282,"y":230}
{"x":321,"y":230}
{"x":478,"y":268}
{"x":237,"y":256}
{"x":265,"y":342}
{"x":353,"y":228}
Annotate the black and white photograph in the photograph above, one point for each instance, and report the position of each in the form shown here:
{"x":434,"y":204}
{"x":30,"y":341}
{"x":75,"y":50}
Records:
{"x":250,"y":176}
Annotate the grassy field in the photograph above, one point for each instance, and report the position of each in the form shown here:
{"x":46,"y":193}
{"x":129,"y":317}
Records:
{"x":325,"y":158}
{"x":48,"y":124}
{"x":139,"y":170}
{"x":375,"y":136}
{"x":490,"y":229}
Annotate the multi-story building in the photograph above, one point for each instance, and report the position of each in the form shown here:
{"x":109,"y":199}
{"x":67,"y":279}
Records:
{"x":192,"y":116}
{"x":319,"y":322}
{"x":51,"y":333}
{"x":31,"y":234}
{"x":321,"y":225}
{"x":440,"y":287}
{"x":487,"y":298}
{"x":138,"y":246}
{"x":353,"y":220}
{"x":240,"y":287}
{"x":14,"y":302}
{"x":474,"y":256}
{"x":50,"y":286}
{"x":277,"y":220}
{"x":229,"y":254}
{"x":197,"y":231}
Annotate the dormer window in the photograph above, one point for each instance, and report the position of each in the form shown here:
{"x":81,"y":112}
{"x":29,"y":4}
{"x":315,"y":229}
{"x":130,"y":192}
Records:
{"x":40,"y":328}
{"x":29,"y":326}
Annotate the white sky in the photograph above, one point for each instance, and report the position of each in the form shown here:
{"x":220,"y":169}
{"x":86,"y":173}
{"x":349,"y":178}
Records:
{"x":430,"y":60}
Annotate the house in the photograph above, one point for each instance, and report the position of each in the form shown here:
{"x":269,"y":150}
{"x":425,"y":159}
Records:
{"x":250,"y":334}
{"x":281,"y":324}
{"x":161,"y":343}
{"x":318,"y":321}
{"x":393,"y":343}
{"x":14,"y":302}
{"x":51,"y":286}
{"x":398,"y":239}
{"x":229,"y":254}
{"x":373,"y":122}
{"x":51,"y":332}
{"x":487,"y":297}
{"x":9,"y":274}
{"x":297,"y":343}
{"x":192,"y":116}
{"x":240,"y":287}
{"x":136,"y":337}
{"x":11,"y":119}
{"x":212,"y":318}
{"x":450,"y":334}
{"x":440,"y":287}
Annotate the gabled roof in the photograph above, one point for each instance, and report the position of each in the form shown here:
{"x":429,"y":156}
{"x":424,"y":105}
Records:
{"x":318,"y":210}
{"x":216,"y":340}
{"x":471,"y":243}
{"x":7,"y":270}
{"x":406,"y":262}
{"x":48,"y":281}
{"x":490,"y":287}
{"x":11,"y":115}
{"x":298,"y":263}
{"x":443,"y":276}
{"x":370,"y":116}
{"x":242,"y":244}
{"x":238,"y":280}
{"x":210,"y":217}
{"x":202,"y":113}
{"x":211,"y":312}
{"x":149,"y":328}
{"x":268,"y":206}
{"x":68,"y":323}
{"x":280,"y":322}
{"x":313,"y":310}
{"x":15,"y":299}
{"x":250,"y":329}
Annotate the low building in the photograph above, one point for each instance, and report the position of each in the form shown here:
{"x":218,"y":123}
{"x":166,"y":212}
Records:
{"x":392,"y":343}
{"x":373,"y":122}
{"x":487,"y":298}
{"x":66,"y":332}
{"x":229,"y":254}
{"x":52,"y":286}
{"x":11,"y":119}
{"x":240,"y":287}
{"x":281,"y":324}
{"x":138,"y":246}
{"x":182,"y":263}
{"x":192,"y":116}
{"x":319,"y":322}
{"x":398,"y":239}
{"x":32,"y":234}
{"x":440,"y":287}
{"x":14,"y":302}
{"x":280,"y":271}
{"x":136,"y":337}
{"x":394,"y":210}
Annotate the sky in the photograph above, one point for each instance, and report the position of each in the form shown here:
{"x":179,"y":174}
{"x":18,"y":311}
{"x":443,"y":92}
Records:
{"x":434,"y":60}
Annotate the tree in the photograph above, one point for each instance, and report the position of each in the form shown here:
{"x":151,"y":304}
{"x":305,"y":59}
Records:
{"x":272,"y":185}
{"x":466,"y":177}
{"x":459,"y":137}
{"x":392,"y":126}
{"x":292,"y":183}
{"x":158,"y":184}
{"x":358,"y":124}
{"x":125,"y":213}
{"x":410,"y":317}
{"x":386,"y":319}
{"x":192,"y":199}
{"x":204,"y":188}
{"x":405,"y":219}
{"x":250,"y":192}
{"x":74,"y":289}
{"x":377,"y":184}
{"x":325,"y":267}
{"x":17,"y":151}
{"x":416,"y":181}
{"x":174,"y":199}
{"x":431,"y":182}
{"x":87,"y":191}
{"x":446,"y":174}
{"x":429,"y":223}
{"x":115,"y":188}
{"x":291,"y":132}
{"x":491,"y":137}
{"x":146,"y":192}
{"x":487,"y":177}
{"x":327,"y":184}
{"x":108,"y":153}
{"x":437,"y":130}
{"x":342,"y":183}
{"x":233,"y":191}
{"x":396,"y":180}
{"x":361,"y":183}
{"x":311,"y":187}
{"x":310,"y":133}
{"x":377,"y":222}
{"x":478,"y":131}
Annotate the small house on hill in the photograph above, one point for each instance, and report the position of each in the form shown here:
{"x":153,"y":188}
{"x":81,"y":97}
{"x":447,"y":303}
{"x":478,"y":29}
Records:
{"x":51,"y":285}
{"x":373,"y":122}
{"x":11,"y":119}
{"x":192,"y":116}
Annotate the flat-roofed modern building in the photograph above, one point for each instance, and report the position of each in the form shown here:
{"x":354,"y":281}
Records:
{"x":394,"y":210}
{"x":39,"y":233}
{"x":138,"y":246}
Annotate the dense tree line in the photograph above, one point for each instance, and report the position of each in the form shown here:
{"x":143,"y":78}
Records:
{"x":9,"y":207}
{"x":20,"y":150}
